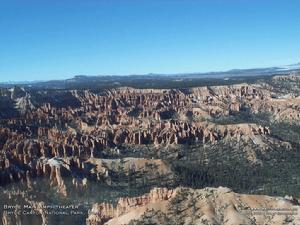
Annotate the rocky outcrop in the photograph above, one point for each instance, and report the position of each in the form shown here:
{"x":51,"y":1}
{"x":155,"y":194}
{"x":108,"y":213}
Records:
{"x":104,"y":212}
{"x":203,"y":206}
{"x":124,"y":137}
{"x":124,"y":117}
{"x":291,"y":77}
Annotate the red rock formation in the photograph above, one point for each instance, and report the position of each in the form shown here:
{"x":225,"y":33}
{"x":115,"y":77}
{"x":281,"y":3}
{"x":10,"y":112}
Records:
{"x":103,"y":212}
{"x":128,"y":116}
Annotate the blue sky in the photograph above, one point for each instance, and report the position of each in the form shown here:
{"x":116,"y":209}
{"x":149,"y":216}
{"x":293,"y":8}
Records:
{"x":57,"y":39}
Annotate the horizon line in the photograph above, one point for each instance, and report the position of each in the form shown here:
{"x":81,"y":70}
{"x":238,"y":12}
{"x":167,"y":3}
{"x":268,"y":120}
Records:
{"x":145,"y":74}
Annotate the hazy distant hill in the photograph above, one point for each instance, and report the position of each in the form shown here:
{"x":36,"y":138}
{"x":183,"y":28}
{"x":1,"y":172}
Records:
{"x":151,"y":80}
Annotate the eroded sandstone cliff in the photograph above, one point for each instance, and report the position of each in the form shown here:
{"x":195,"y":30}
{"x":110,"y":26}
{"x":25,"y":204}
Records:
{"x":203,"y":206}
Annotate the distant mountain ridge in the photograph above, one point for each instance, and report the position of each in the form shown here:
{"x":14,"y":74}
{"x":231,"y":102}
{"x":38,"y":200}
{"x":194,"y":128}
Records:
{"x":78,"y":79}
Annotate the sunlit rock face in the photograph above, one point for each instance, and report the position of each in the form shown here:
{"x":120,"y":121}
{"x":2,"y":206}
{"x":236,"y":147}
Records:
{"x":103,"y":212}
{"x":201,"y":206}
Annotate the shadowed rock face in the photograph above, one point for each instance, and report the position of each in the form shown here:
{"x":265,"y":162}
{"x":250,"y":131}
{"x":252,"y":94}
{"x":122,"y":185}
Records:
{"x":201,"y":206}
